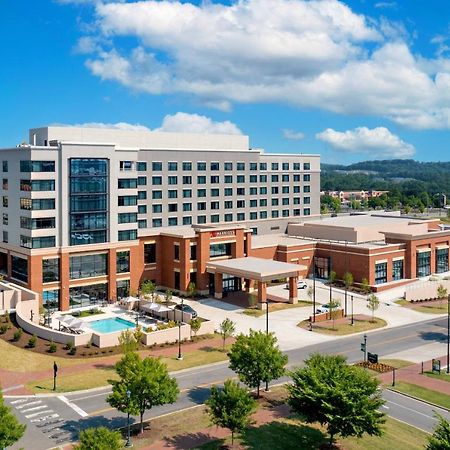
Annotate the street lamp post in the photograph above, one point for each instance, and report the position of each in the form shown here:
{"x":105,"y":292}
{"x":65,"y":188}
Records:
{"x":267,"y":332}
{"x":3,"y":299}
{"x":329,"y":275}
{"x":365,"y":347}
{"x":314,"y":289}
{"x":448,"y":334}
{"x":180,"y":357}
{"x":352,"y":322}
{"x":345,"y":282}
{"x":128,"y":444}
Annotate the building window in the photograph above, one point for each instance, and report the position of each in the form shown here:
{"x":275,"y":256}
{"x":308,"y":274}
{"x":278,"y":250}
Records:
{"x":5,"y":201}
{"x":176,"y":252}
{"x":241,"y":178}
{"x":37,"y":166}
{"x":176,"y":280}
{"x":285,"y":178}
{"x":127,"y":235}
{"x":240,"y":166}
{"x":274,"y":166}
{"x":141,"y":166}
{"x":397,"y":269}
{"x":253,"y":178}
{"x":240,"y":191}
{"x":187,"y":206}
{"x":275,"y":202}
{"x":262,"y":166}
{"x":240,"y":216}
{"x":5,"y":219}
{"x":220,"y":250}
{"x":126,"y":166}
{"x":172,"y":221}
{"x":19,"y":268}
{"x":172,"y":207}
{"x":173,"y":193}
{"x":201,"y":166}
{"x":123,"y":288}
{"x":296,"y":178}
{"x":187,"y":220}
{"x":263,"y":190}
{"x":37,"y":204}
{"x":215,"y":218}
{"x":37,"y":242}
{"x":126,"y":200}
{"x":215,"y":205}
{"x":37,"y":185}
{"x":228,"y":192}
{"x":50,"y":300}
{"x":215,"y":166}
{"x":423,"y":263}
{"x":193,"y":253}
{"x":253,"y":191}
{"x":274,"y":178}
{"x":253,"y":203}
{"x":215,"y":179}
{"x":127,"y":218}
{"x":253,"y":166}
{"x":5,"y":237}
{"x":156,"y":181}
{"x":228,"y":166}
{"x":172,"y":180}
{"x":88,"y":266}
{"x":201,"y":179}
{"x":85,"y":296}
{"x":127,"y":183}
{"x":306,"y":188}
{"x":201,"y":219}
{"x":142,"y":195}
{"x":285,"y":201}
{"x":306,"y":177}
{"x":253,"y":215}
{"x":123,"y":262}
{"x":240,"y":203}
{"x":187,"y":166}
{"x":275,"y":214}
{"x":156,"y":166}
{"x":5,"y":166}
{"x":201,"y":206}
{"x":263,"y":202}
{"x":150,"y":253}
{"x":156,"y":208}
{"x":441,"y":260}
{"x":307,"y":166}
{"x":187,"y":179}
{"x":201,"y":192}
{"x":380,"y":273}
{"x":228,"y":217}
{"x":275,"y":190}
{"x":306,"y":200}
{"x":285,"y":166}
{"x":296,"y":166}
{"x":215,"y":192}
{"x":157,"y":195}
{"x":306,"y":211}
{"x":228,"y":179}
{"x":142,"y":223}
{"x":187,"y":193}
{"x":142,"y":181}
{"x":296,"y":189}
{"x":263,"y":178}
{"x":156,"y":223}
{"x":296,"y":212}
{"x":263,"y":214}
{"x":172,"y":166}
{"x":50,"y":270}
{"x":40,"y":223}
{"x":142,"y":209}
{"x":5,"y":184}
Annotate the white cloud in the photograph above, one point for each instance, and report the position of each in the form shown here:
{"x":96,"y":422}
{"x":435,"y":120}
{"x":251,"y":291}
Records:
{"x":293,"y":135}
{"x":179,"y":122}
{"x":313,"y":54}
{"x":377,"y":143}
{"x":386,"y":5}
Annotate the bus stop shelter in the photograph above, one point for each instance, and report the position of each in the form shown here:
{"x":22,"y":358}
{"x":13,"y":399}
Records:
{"x":255,"y":270}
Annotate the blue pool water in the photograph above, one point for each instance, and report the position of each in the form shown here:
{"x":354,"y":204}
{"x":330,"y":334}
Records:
{"x":111,"y":325}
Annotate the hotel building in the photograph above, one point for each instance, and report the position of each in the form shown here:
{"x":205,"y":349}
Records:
{"x":89,"y":213}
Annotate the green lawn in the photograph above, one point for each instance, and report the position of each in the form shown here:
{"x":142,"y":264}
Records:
{"x":397,"y":363}
{"x":341,"y":329}
{"x":289,"y":434}
{"x":438,"y":398}
{"x":430,"y":308}
{"x":444,"y":376}
{"x":273,"y":307}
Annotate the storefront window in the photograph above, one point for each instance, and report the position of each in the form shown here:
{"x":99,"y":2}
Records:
{"x":123,"y":262}
{"x":380,"y":273}
{"x":82,"y":296}
{"x":86,"y":266}
{"x":441,"y":260}
{"x":50,"y":300}
{"x":50,"y":270}
{"x":423,"y":263}
{"x":220,"y":250}
{"x":397,"y":270}
{"x":123,"y":288}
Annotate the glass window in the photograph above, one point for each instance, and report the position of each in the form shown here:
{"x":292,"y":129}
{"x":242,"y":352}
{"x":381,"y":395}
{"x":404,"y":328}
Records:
{"x":37,"y":166}
{"x":37,"y":204}
{"x":172,"y":165}
{"x":187,"y":179}
{"x":285,"y":189}
{"x":123,"y":262}
{"x":296,"y":200}
{"x":253,"y":191}
{"x":187,"y":166}
{"x":253,"y":203}
{"x":397,"y":269}
{"x":285,"y":166}
{"x":88,"y":166}
{"x":127,"y":235}
{"x":201,"y":179}
{"x":157,"y":208}
{"x":263,"y":190}
{"x":19,"y":268}
{"x":201,"y":166}
{"x":263,"y":215}
{"x":228,"y":166}
{"x":296,"y":166}
{"x":263,"y":202}
{"x":142,"y":195}
{"x":215,"y":192}
{"x":240,"y":191}
{"x":215,"y":218}
{"x":172,"y":221}
{"x":296,"y":189}
{"x":240,"y":216}
{"x":253,"y":215}
{"x":127,"y":218}
{"x":201,"y":219}
{"x":215,"y":166}
{"x":215,"y":179}
{"x":285,"y":201}
{"x":240,"y":203}
{"x":201,"y":206}
{"x":201,"y":192}
{"x":274,"y":190}
{"x":142,"y":223}
{"x":142,"y":181}
{"x":123,"y":288}
{"x":150,"y":253}
{"x":187,"y":220}
{"x":285,"y":213}
{"x":306,"y":188}
{"x":5,"y":184}
{"x":306,"y":212}
{"x":263,"y":178}
{"x":173,"y":207}
{"x":126,"y":166}
{"x":380,"y":273}
{"x":220,"y":250}
{"x":173,"y":180}
{"x":85,"y":296}
{"x":193,"y":253}
{"x":274,"y":166}
{"x":441,"y":260}
{"x":240,"y":166}
{"x":215,"y":205}
{"x":306,"y":178}
{"x":228,"y":217}
{"x":275,"y":214}
{"x":296,"y":178}
{"x":187,"y":193}
{"x":275,"y":178}
{"x":5,"y":201}
{"x":285,"y":178}
{"x":307,"y":166}
{"x":241,"y":178}
{"x":187,"y":206}
{"x":228,"y":192}
{"x":5,"y":166}
{"x":141,"y":166}
{"x":157,"y":195}
{"x":37,"y":185}
{"x":50,"y":300}
{"x":156,"y":166}
{"x":253,"y":166}
{"x":176,"y":252}
{"x":50,"y":270}
{"x":262,"y":166}
{"x":126,"y":200}
{"x":297,"y":212}
{"x":156,"y":223}
{"x":5,"y":219}
{"x":253,"y":178}
{"x":89,"y":221}
{"x":228,"y":204}
{"x":306,"y":200}
{"x":156,"y":181}
{"x":228,"y":179}
{"x":37,"y":242}
{"x":275,"y":202}
{"x":40,"y":223}
{"x":127,"y":183}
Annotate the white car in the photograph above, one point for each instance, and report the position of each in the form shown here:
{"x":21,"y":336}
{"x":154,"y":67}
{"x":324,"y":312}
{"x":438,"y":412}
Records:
{"x":323,"y":309}
{"x":300,"y":285}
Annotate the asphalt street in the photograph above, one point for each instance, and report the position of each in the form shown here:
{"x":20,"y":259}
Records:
{"x":53,"y":420}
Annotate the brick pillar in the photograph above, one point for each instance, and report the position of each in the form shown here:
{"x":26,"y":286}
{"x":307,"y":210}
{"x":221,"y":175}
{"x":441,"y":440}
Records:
{"x":203,"y":240}
{"x":64,"y":303}
{"x":112,"y":274}
{"x":433,"y":259}
{"x":293,"y":290}
{"x":136,"y":266}
{"x":238,"y":247}
{"x":218,"y":285}
{"x":262,"y":294}
{"x":185,"y":256}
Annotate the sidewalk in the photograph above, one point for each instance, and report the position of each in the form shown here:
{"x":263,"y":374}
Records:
{"x":412,"y":374}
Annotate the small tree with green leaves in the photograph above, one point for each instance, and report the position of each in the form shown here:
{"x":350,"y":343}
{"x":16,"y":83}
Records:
{"x":440,"y":439}
{"x":127,"y":341}
{"x":346,"y":399}
{"x":373,"y":303}
{"x":11,"y":430}
{"x":230,"y":407}
{"x":365,"y":286}
{"x":332,"y":277}
{"x":348,"y":280}
{"x":100,"y":438}
{"x":192,"y":290}
{"x":168,"y":296}
{"x":333,"y":305}
{"x":148,"y":288}
{"x":227,"y":328}
{"x":441,"y":293}
{"x":256,"y":358}
{"x":148,"y":382}
{"x":195,"y":324}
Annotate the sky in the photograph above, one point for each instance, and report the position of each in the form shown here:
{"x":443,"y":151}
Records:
{"x":354,"y":80}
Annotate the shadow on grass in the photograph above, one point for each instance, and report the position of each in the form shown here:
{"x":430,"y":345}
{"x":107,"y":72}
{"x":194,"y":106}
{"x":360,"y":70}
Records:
{"x":193,"y":440}
{"x":281,"y":436}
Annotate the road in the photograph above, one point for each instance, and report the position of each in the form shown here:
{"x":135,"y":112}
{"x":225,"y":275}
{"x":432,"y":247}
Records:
{"x":53,"y":420}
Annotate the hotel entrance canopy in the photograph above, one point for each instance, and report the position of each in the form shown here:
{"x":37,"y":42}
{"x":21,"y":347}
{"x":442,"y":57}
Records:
{"x":256,"y":269}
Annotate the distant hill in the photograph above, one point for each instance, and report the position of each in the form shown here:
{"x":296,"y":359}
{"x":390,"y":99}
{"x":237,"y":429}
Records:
{"x":405,"y":175}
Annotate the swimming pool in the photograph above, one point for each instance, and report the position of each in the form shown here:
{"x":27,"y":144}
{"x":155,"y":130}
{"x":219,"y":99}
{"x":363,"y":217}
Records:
{"x":110,"y":325}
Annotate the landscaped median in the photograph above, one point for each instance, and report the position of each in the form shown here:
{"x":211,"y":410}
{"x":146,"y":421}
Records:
{"x":429,"y":306}
{"x":343,"y":326}
{"x":275,"y":306}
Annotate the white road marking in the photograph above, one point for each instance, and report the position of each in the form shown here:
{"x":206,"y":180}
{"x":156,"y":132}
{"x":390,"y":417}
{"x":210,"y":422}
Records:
{"x":410,"y":409}
{"x":28,"y":404}
{"x":76,"y":408}
{"x":41,"y":419}
{"x":90,"y":396}
{"x":35,"y":408}
{"x":29,"y":416}
{"x":20,"y":400}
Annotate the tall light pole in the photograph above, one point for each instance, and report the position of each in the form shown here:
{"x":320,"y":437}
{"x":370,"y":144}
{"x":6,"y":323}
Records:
{"x":3,"y":299}
{"x":345,"y":281}
{"x":314,"y":289}
{"x":128,"y":444}
{"x":267,"y":333}
{"x":180,"y":357}
{"x":352,"y":322}
{"x":329,"y":274}
{"x":448,"y":334}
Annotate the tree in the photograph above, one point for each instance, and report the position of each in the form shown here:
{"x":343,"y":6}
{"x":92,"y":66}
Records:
{"x":195,"y":324}
{"x":148,"y":382}
{"x":332,"y":277}
{"x":333,"y":306}
{"x":227,"y":328}
{"x":256,"y":357}
{"x":373,"y":303}
{"x":365,"y":286}
{"x":230,"y":407}
{"x":347,"y":279}
{"x":168,"y":296}
{"x":440,"y":439}
{"x":148,"y":288}
{"x":127,"y":341}
{"x":346,"y":399}
{"x":310,"y":293}
{"x":100,"y":438}
{"x":441,"y":293}
{"x":11,"y":430}
{"x":192,"y":290}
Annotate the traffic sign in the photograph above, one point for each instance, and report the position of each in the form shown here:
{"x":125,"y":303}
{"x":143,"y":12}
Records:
{"x":372,"y":357}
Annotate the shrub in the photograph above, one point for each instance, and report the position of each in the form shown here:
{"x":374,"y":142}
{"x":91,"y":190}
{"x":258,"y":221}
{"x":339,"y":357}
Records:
{"x":171,"y":324}
{"x":32,"y":341}
{"x":52,"y":348}
{"x":17,"y":335}
{"x":69,"y":345}
{"x":73,"y":350}
{"x":3,"y":329}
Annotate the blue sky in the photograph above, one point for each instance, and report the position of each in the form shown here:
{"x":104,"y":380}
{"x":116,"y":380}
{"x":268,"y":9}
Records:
{"x":353,"y":80}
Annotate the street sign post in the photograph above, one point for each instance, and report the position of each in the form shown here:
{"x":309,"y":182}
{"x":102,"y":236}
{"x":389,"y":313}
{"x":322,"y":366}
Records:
{"x":372,"y":357}
{"x":436,"y":365}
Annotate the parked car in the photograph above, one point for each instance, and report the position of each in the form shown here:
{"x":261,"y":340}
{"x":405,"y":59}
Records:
{"x":300,"y":285}
{"x":323,"y":309}
{"x":187,"y":309}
